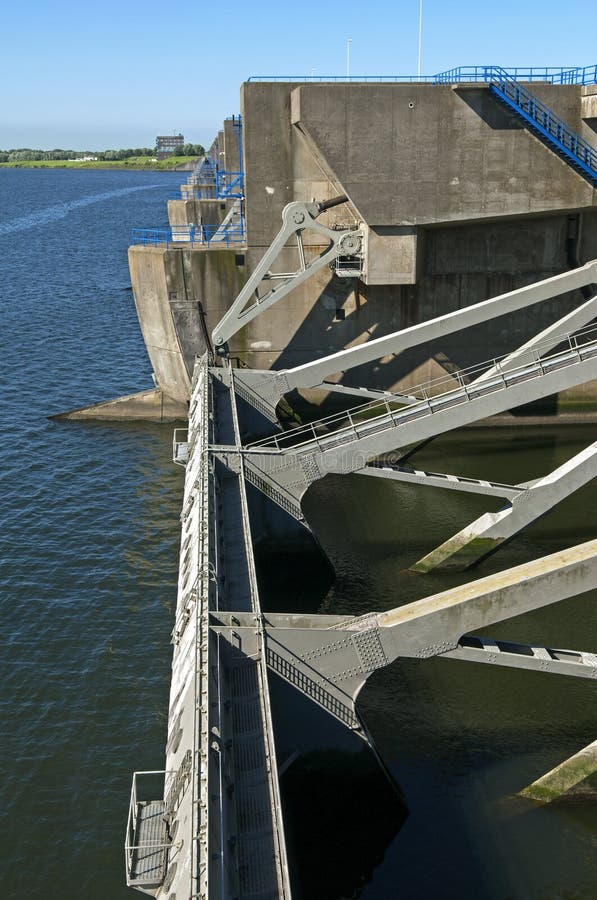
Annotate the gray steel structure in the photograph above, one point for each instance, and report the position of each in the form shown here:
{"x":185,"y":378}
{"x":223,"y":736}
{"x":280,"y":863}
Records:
{"x":218,"y":830}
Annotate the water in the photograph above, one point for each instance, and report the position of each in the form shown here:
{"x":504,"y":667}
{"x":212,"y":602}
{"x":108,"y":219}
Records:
{"x":89,"y":544}
{"x":89,"y":533}
{"x":463,"y":739}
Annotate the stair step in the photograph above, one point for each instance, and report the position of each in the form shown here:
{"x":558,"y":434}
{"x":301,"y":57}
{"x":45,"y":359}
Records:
{"x":535,"y":124}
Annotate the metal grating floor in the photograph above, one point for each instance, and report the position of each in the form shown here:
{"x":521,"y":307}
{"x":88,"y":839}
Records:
{"x":256,"y":849}
{"x":148,"y":865}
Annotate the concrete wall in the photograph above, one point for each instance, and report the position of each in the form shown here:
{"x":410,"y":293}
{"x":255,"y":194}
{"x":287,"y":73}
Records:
{"x":462,"y":203}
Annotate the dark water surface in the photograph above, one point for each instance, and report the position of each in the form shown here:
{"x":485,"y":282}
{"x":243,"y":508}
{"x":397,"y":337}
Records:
{"x":89,"y":546}
{"x":89,"y":533}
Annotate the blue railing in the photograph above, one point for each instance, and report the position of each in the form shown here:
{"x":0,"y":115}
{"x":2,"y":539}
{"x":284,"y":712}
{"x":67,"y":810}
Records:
{"x":190,"y":193}
{"x":551,"y":75}
{"x":202,"y":235}
{"x":229,"y":184}
{"x":225,"y":186}
{"x":543,"y":121}
{"x":341,"y":78}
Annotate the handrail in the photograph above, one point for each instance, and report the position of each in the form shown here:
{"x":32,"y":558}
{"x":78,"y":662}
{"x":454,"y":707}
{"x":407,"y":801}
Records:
{"x":190,"y":234}
{"x":429,"y":397}
{"x":131,"y":825}
{"x":545,"y":121}
{"x":342,"y":78}
{"x":551,"y":75}
{"x":229,"y":184}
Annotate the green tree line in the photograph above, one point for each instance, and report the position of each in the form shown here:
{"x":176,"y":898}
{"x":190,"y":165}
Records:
{"x":26,"y":153}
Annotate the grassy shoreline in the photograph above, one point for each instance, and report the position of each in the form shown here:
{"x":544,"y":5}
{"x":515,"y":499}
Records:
{"x":170,"y":164}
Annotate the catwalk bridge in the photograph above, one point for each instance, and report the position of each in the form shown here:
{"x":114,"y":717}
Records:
{"x":218,"y":830}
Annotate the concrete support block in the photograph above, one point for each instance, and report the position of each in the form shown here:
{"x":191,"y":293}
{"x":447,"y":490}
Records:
{"x":588,"y":102}
{"x":149,"y":406}
{"x":231,"y":145}
{"x":197,"y":212}
{"x":163,"y":308}
{"x":483,"y":536}
{"x":391,"y":255}
{"x":573,"y":779}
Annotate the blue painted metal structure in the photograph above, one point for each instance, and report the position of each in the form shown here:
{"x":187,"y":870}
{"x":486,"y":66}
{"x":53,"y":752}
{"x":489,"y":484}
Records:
{"x":202,"y":235}
{"x":545,"y":74}
{"x":542,"y":121}
{"x":215,"y":183}
{"x":551,"y":75}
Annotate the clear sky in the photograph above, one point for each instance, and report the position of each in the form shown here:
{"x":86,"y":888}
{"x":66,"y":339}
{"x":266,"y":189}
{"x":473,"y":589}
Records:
{"x":115,"y":73}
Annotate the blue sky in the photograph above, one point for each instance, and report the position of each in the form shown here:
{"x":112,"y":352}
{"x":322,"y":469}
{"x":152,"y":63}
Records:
{"x":91,"y":75}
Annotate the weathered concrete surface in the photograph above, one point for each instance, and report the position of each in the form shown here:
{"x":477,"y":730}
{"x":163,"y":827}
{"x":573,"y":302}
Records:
{"x":588,"y":104}
{"x":195,"y":212}
{"x":231,"y":145}
{"x":576,"y":778}
{"x":483,"y":536}
{"x":439,"y":154}
{"x":391,"y":255}
{"x":463,"y":203}
{"x":152,"y":406}
{"x":169,"y":315}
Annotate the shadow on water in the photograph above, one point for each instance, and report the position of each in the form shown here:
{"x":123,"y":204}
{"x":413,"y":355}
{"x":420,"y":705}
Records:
{"x":462,"y":739}
{"x":341,"y":813}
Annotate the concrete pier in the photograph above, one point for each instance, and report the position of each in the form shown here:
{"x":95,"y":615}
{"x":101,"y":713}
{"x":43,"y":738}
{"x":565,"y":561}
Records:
{"x":430,"y":262}
{"x":459,"y":202}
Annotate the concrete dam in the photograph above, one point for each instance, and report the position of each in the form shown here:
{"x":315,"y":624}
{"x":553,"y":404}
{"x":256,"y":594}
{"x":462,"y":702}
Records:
{"x":354,"y":269}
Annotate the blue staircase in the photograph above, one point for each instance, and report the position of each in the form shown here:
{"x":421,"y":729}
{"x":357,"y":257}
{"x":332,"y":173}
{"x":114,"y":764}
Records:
{"x":544,"y":123}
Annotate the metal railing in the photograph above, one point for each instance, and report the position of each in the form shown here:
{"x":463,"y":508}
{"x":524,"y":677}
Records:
{"x":221,"y":185}
{"x":193,"y":193}
{"x":551,"y":75}
{"x":180,"y":446}
{"x":544,"y":121}
{"x":130,"y":846}
{"x":343,"y":78}
{"x":433,"y":396}
{"x":196,"y":235}
{"x":229,"y":184}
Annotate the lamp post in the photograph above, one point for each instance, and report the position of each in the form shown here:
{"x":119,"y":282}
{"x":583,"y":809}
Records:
{"x":420,"y":36}
{"x":348,"y":43}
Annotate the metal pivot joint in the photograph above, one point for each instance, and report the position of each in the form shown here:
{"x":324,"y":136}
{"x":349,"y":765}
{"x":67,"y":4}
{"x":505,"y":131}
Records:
{"x":297,"y":217}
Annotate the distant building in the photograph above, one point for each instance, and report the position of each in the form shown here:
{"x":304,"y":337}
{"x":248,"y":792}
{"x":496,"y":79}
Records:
{"x":168,"y":144}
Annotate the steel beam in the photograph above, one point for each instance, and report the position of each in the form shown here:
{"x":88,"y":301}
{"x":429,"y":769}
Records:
{"x":409,"y":475}
{"x":297,"y":217}
{"x":483,"y":536}
{"x":330,"y":661}
{"x":270,"y":386}
{"x":290,"y":470}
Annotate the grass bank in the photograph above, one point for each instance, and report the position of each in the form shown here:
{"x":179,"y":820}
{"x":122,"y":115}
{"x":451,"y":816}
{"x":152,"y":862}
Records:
{"x":133,"y":162}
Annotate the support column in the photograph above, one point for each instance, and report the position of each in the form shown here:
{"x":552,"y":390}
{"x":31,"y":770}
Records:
{"x":572,"y":778}
{"x":483,"y":536}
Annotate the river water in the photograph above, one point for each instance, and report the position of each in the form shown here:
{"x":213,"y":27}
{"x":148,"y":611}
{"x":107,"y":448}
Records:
{"x":89,"y":545}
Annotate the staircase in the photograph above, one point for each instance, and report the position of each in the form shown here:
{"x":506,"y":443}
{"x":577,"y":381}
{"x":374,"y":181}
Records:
{"x":544,"y":123}
{"x":232,"y":224}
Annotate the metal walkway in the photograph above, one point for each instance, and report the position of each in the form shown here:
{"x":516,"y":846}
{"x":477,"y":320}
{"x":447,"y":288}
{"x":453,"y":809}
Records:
{"x":291,"y":461}
{"x":222,"y":833}
{"x":222,"y":785}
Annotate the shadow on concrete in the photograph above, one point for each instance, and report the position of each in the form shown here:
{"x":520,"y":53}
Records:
{"x":487,"y":108}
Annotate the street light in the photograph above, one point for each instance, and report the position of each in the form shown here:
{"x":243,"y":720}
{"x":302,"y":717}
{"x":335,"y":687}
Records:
{"x":348,"y":43}
{"x":420,"y":36}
